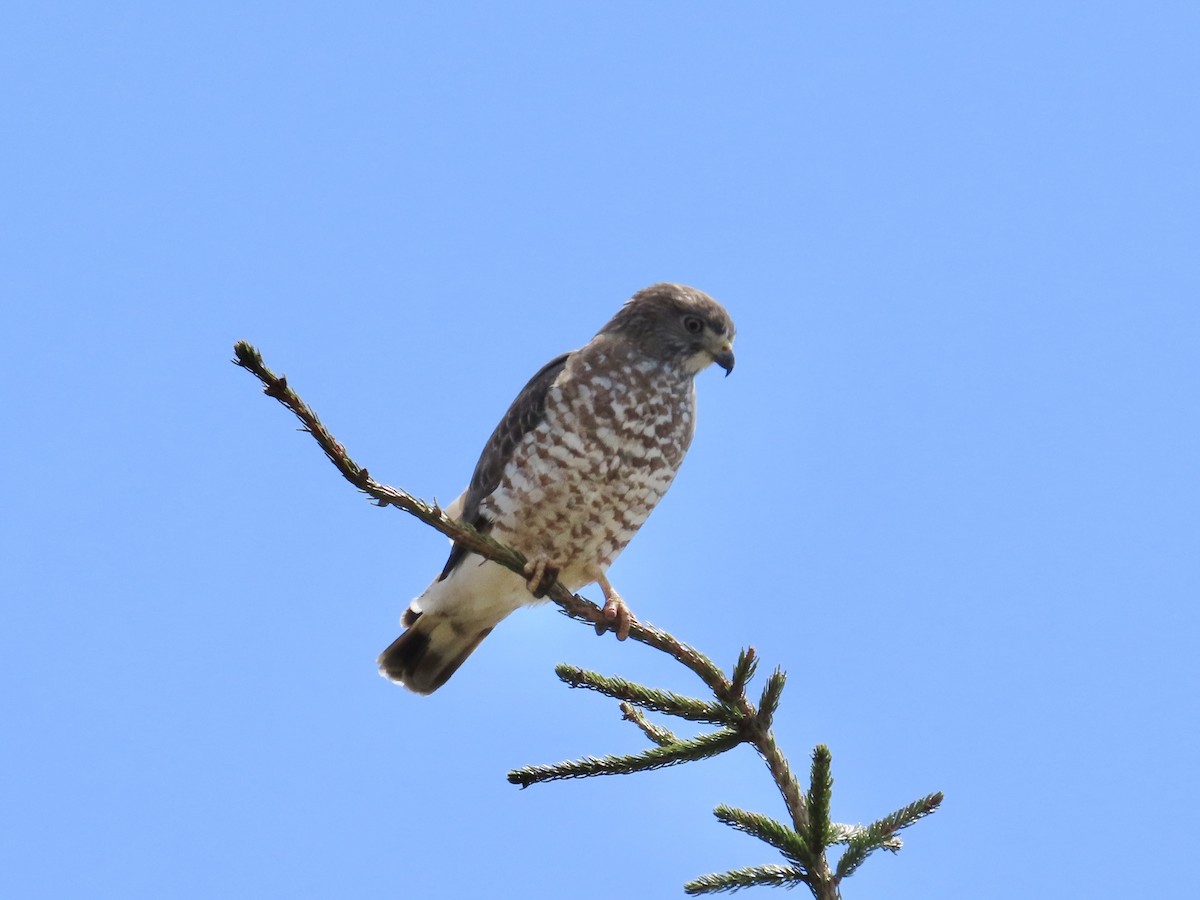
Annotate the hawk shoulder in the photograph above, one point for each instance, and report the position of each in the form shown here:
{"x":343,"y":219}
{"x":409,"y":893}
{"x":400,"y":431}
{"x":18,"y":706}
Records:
{"x":525,"y":414}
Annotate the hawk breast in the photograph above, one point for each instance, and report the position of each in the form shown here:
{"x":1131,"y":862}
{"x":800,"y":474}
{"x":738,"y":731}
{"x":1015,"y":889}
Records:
{"x":579,"y":484}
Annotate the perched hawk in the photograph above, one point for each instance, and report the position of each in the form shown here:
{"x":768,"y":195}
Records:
{"x":569,"y":475}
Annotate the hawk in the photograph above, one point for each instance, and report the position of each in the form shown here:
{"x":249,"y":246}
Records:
{"x":583,"y":455}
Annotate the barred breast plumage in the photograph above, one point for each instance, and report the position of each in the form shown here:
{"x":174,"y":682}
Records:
{"x":580,"y":484}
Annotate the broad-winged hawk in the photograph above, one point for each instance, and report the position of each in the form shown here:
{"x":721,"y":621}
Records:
{"x":580,"y":459}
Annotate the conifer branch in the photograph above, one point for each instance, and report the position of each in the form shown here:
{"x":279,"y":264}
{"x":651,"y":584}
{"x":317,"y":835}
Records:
{"x":841,"y":833}
{"x":743,"y":671}
{"x":773,"y":876}
{"x":689,"y":708}
{"x":880,"y":835}
{"x":769,"y":702}
{"x":655,"y":758}
{"x":811,"y":832}
{"x":820,"y":793}
{"x":659,"y":735}
{"x":789,"y":788}
{"x":766,"y":829}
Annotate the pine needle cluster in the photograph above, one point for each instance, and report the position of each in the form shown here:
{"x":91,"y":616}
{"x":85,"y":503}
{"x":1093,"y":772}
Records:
{"x":805,"y":842}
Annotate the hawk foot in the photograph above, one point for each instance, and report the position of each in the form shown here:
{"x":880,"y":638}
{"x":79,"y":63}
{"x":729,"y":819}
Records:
{"x":617,"y":616}
{"x":540,"y":576}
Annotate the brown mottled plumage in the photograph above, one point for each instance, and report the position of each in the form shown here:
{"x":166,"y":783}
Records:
{"x":578,"y":462}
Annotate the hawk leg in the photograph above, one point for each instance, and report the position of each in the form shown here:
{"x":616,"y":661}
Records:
{"x":617,"y":615}
{"x":540,"y":576}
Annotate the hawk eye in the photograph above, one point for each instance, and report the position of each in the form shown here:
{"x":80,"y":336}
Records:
{"x":692,"y":324}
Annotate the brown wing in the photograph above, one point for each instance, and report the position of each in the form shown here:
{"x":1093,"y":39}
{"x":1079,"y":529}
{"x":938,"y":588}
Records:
{"x":522,"y":417}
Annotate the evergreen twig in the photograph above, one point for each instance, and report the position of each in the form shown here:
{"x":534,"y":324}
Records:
{"x":743,"y":671}
{"x":880,"y":835}
{"x":820,"y":793}
{"x":766,"y":829}
{"x":690,"y":708}
{"x":841,"y":833}
{"x":655,"y":758}
{"x":769,"y":702}
{"x":656,"y":733}
{"x":774,"y":876}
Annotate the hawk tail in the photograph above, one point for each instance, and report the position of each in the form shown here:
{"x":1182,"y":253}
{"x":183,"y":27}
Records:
{"x":432,"y":648}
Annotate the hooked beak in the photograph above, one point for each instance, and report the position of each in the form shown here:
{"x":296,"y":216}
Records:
{"x":724,"y":359}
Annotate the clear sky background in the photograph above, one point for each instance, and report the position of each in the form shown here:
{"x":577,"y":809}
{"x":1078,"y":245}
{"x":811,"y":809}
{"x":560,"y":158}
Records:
{"x":951,"y":486}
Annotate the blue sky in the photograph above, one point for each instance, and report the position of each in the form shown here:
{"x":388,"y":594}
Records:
{"x":951,"y":486}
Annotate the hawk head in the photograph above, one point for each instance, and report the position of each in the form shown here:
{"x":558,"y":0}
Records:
{"x":677,"y":325}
